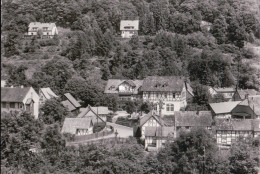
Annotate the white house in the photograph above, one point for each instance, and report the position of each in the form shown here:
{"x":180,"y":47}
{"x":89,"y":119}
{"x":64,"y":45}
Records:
{"x":20,"y":99}
{"x":48,"y":29}
{"x":168,"y":91}
{"x":129,"y":28}
{"x":77,"y":126}
{"x":46,"y":94}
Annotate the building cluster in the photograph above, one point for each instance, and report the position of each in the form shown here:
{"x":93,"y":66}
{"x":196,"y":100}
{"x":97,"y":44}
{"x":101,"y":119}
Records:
{"x":239,"y":116}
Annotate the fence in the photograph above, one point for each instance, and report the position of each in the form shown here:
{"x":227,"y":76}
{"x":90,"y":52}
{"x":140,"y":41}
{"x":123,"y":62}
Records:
{"x":94,"y":135}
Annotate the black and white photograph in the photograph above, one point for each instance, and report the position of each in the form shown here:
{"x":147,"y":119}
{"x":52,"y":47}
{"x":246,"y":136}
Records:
{"x":130,"y":87}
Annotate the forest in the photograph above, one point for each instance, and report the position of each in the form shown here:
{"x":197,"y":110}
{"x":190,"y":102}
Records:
{"x":171,"y":41}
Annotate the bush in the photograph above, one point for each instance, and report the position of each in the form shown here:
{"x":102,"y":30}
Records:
{"x":49,"y":42}
{"x":98,"y":127}
{"x":51,"y":49}
{"x":45,"y":56}
{"x":126,"y":122}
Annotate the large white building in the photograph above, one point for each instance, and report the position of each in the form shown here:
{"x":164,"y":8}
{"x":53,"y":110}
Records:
{"x":48,"y":29}
{"x":129,"y":28}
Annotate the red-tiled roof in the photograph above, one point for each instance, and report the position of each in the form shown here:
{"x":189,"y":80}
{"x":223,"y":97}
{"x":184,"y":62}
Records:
{"x":13,"y":94}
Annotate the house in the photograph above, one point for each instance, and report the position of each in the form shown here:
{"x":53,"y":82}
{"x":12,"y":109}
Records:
{"x":241,"y":94}
{"x":166,"y":92}
{"x":228,"y":131}
{"x":77,"y":126}
{"x":48,"y":29}
{"x":46,"y":94}
{"x":3,"y":83}
{"x":227,"y":92}
{"x":129,"y":28}
{"x":186,"y":120}
{"x":149,"y":120}
{"x":125,"y":89}
{"x":248,"y":108}
{"x":20,"y":99}
{"x":223,"y":109}
{"x":256,"y":127}
{"x":71,"y":103}
{"x":98,"y":114}
{"x":156,"y":137}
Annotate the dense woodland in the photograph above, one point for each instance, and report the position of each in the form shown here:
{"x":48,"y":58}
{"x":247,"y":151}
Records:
{"x":89,"y":50}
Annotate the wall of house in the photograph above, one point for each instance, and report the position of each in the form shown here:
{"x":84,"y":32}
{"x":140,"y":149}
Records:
{"x":124,"y":87}
{"x":85,"y":131}
{"x":32,"y":94}
{"x":227,"y":137}
{"x":128,"y":33}
{"x":150,"y":123}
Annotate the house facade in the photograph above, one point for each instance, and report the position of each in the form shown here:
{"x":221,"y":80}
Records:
{"x":156,"y":137}
{"x":48,"y":29}
{"x":20,"y":99}
{"x":77,"y":126}
{"x":124,"y":89}
{"x":46,"y":94}
{"x":167,"y":93}
{"x":227,"y":132}
{"x":129,"y":28}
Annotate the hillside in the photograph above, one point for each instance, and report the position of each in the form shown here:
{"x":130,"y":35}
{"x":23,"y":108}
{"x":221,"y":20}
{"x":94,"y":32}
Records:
{"x":172,"y":40}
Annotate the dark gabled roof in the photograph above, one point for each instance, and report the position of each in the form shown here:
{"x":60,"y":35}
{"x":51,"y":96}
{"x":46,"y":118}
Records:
{"x":223,"y":107}
{"x":193,"y":119}
{"x":112,"y":85}
{"x":234,"y":124}
{"x":86,"y":110}
{"x":253,"y":101}
{"x":13,"y":94}
{"x":70,"y":125}
{"x":68,"y":105}
{"x":147,"y":117}
{"x":163,"y":83}
{"x":168,"y":120}
{"x":158,"y":131}
{"x":243,"y":92}
{"x":224,"y":90}
{"x":72,"y":100}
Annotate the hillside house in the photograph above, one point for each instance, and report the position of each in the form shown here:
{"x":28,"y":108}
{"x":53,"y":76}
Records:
{"x":129,"y":28}
{"x":97,"y":114}
{"x":228,"y":131}
{"x":249,"y":108}
{"x":77,"y":126}
{"x":125,"y":89}
{"x":48,"y":29}
{"x":46,"y":94}
{"x":156,"y":137}
{"x":186,"y":120}
{"x":223,"y":109}
{"x":241,"y":94}
{"x":20,"y":99}
{"x":168,"y":91}
{"x":71,"y":103}
{"x":227,"y":92}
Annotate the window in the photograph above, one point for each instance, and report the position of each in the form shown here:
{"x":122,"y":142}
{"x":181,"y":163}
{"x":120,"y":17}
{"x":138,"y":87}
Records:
{"x":31,"y":33}
{"x":34,"y":28}
{"x":47,"y":33}
{"x":20,"y":105}
{"x":165,"y":95}
{"x":169,"y":107}
{"x":12,"y":105}
{"x":45,"y":28}
{"x":3,"y":104}
{"x":173,"y":95}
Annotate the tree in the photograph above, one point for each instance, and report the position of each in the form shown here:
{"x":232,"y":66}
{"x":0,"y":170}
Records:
{"x":130,"y":107}
{"x":10,"y":44}
{"x":217,"y":98}
{"x":53,"y":112}
{"x":17,"y":75}
{"x":40,"y":33}
{"x":219,"y":30}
